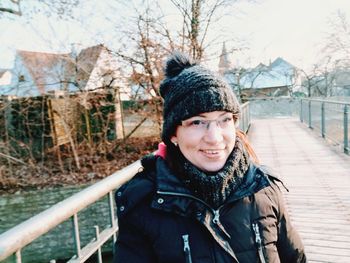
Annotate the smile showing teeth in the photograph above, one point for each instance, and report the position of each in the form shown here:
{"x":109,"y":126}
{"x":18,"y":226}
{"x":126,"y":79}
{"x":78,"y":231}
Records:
{"x":210,"y":151}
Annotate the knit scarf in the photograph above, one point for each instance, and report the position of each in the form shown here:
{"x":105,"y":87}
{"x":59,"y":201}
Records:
{"x":214,"y":188}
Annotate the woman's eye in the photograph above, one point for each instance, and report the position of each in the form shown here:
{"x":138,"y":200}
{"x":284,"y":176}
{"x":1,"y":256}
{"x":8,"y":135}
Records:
{"x":226,"y":120}
{"x":196,"y":122}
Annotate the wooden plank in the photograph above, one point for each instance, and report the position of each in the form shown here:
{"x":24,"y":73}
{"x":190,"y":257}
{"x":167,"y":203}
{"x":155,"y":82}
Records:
{"x":63,"y":114}
{"x":326,"y":243}
{"x":324,"y":236}
{"x":329,"y":251}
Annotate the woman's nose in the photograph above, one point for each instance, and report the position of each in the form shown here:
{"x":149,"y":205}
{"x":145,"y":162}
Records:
{"x":213,"y":133}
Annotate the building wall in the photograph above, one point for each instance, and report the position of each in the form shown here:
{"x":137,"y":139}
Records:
{"x":22,"y":84}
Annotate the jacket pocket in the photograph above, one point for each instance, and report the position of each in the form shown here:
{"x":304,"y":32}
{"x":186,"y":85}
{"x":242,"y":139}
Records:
{"x":258,"y":242}
{"x":187,"y":249}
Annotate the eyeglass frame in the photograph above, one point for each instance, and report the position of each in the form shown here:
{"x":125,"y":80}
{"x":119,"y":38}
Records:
{"x":205,"y":127}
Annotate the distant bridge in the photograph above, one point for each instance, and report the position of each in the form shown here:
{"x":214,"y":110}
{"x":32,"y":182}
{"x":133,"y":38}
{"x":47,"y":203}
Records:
{"x":317,"y":175}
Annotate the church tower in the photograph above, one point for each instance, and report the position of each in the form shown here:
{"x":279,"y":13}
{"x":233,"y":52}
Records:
{"x":224,"y":63}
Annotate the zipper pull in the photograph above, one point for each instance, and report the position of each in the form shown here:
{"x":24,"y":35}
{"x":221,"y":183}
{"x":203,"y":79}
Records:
{"x":186,"y":243}
{"x":216,"y":221}
{"x":259,"y":242}
{"x":216,"y":217}
{"x":257,"y":234}
{"x":187,"y":249}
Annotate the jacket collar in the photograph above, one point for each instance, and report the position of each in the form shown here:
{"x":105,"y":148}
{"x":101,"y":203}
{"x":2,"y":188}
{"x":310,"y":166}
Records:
{"x":167,"y":181}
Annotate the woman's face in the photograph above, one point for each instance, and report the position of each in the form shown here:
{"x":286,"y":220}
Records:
{"x":207,"y":140}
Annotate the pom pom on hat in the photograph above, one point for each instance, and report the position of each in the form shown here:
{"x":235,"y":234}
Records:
{"x":189,"y":89}
{"x":177,"y":63}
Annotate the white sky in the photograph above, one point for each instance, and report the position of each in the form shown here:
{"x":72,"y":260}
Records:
{"x":292,"y":29}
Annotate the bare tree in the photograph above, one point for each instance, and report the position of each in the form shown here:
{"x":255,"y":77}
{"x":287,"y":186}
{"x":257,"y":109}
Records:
{"x":334,"y":59}
{"x":338,"y":39}
{"x":317,"y":82}
{"x":28,"y":8}
{"x":198,"y":16}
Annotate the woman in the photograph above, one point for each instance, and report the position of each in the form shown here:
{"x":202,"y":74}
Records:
{"x":203,"y":197}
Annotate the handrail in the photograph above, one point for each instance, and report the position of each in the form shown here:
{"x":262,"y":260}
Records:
{"x":328,"y":101}
{"x":21,"y":235}
{"x":321,"y":115}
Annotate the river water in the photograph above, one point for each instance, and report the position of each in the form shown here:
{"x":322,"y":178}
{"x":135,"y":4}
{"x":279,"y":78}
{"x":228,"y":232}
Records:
{"x":59,"y":242}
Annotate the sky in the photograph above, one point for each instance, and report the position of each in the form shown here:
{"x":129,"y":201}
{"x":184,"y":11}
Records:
{"x":292,"y":29}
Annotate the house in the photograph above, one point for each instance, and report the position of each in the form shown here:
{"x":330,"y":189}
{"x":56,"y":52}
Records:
{"x":276,"y":79}
{"x":39,"y":73}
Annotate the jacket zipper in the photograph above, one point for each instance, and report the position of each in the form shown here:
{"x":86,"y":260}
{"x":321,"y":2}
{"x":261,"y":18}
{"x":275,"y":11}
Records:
{"x":258,"y":242}
{"x":216,"y":212}
{"x":187,"y":249}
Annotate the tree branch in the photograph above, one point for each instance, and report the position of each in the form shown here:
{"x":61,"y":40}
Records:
{"x":11,"y":11}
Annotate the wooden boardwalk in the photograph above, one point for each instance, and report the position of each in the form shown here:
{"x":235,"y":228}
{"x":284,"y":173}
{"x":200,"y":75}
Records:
{"x":318,"y":178}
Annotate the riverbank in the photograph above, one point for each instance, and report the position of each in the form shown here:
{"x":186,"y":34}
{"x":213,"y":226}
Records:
{"x":21,"y":178}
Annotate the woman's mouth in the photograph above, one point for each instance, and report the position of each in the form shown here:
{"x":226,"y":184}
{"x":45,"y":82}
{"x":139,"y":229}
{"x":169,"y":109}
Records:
{"x":211,"y":153}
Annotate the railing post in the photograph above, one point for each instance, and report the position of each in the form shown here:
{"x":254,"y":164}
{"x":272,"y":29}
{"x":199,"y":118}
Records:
{"x":323,"y":121}
{"x":346,"y":137}
{"x":245,"y":118}
{"x":111,"y":214}
{"x":301,"y":110}
{"x":76,"y":235}
{"x":310,"y":122}
{"x":18,"y":256}
{"x":99,"y":251}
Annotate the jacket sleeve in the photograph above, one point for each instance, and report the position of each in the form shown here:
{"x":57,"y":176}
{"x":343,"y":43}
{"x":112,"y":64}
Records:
{"x":289,"y":244}
{"x":132,"y":246}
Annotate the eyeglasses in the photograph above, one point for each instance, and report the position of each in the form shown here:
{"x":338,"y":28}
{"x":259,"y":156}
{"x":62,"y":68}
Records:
{"x":197,"y":124}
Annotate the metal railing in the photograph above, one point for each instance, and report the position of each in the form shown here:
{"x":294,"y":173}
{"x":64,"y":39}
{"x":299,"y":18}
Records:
{"x":330,"y":118}
{"x":15,"y":239}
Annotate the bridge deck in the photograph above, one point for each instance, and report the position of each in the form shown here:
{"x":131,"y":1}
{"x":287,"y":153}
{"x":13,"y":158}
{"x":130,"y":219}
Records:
{"x":318,"y":178}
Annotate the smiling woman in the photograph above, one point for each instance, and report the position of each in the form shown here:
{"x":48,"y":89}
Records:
{"x":202,"y":197}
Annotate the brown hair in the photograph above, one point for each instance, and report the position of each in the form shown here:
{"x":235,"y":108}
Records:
{"x":242,"y":135}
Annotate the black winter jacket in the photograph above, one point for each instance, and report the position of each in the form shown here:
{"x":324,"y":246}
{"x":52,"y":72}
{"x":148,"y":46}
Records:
{"x":161,"y":221}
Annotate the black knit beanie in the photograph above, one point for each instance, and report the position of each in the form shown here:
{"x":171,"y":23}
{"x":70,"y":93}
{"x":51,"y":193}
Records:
{"x":189,"y":89}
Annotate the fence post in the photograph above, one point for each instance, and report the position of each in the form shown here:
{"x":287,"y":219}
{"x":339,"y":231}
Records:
{"x":246,"y":118}
{"x":346,"y":137}
{"x":323,"y":121}
{"x":301,"y":110}
{"x":310,"y":122}
{"x":76,"y":235}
